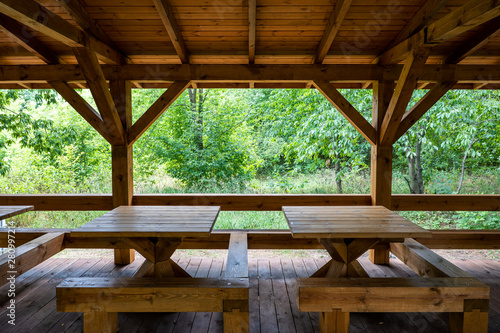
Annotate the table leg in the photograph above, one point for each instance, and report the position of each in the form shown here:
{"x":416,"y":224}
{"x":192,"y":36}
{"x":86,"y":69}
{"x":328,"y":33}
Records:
{"x":157,"y":253}
{"x":344,"y":253}
{"x":124,"y":256}
{"x":379,"y":255}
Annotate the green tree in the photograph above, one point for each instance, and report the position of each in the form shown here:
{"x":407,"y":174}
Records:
{"x":313,"y":133}
{"x":205,"y":140}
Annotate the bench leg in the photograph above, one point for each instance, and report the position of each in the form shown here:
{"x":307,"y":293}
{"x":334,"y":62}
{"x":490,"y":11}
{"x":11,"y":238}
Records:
{"x":379,"y":255}
{"x":235,"y":321}
{"x":103,"y":322}
{"x":474,"y":319}
{"x":334,"y":322}
{"x":124,"y":256}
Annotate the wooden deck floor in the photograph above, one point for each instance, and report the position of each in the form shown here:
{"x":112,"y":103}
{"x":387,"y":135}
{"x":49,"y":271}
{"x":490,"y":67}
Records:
{"x":272,"y":298}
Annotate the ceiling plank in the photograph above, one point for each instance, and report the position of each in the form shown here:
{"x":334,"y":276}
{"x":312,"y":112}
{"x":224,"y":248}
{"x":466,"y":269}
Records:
{"x":167,"y":17}
{"x":347,"y":110}
{"x":470,"y":15}
{"x":402,"y":94}
{"x":421,"y":18}
{"x":156,"y":110}
{"x":332,"y":28}
{"x":37,"y":17}
{"x":490,"y":30}
{"x":422,"y":106}
{"x":17,"y":32}
{"x":75,"y":9}
{"x":252,"y":27}
{"x":96,"y":81}
{"x":82,"y":107}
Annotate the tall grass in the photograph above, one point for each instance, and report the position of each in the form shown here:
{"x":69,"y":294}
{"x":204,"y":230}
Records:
{"x":485,"y":181}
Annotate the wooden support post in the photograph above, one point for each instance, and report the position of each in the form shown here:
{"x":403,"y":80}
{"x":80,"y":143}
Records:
{"x":381,"y":162}
{"x":121,"y":160}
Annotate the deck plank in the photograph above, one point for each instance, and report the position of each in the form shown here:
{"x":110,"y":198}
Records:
{"x":301,"y":320}
{"x":216,"y":318}
{"x":274,"y":280}
{"x":283,"y":307}
{"x":268,"y":320}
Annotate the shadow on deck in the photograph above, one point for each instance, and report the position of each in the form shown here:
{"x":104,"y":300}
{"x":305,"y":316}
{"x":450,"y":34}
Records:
{"x":272,"y":298}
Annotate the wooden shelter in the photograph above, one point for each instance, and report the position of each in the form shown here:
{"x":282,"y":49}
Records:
{"x":113,"y":46}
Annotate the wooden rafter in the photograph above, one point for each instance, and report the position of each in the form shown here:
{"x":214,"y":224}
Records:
{"x":17,"y":32}
{"x":347,"y":110}
{"x":402,"y":95}
{"x":490,"y":30}
{"x":462,"y":19}
{"x":252,"y":26}
{"x":332,"y":28}
{"x":422,"y":106}
{"x":156,"y":110}
{"x":75,"y":9}
{"x":81,"y":106}
{"x":421,"y":18}
{"x":43,"y":20}
{"x":96,"y":81}
{"x":167,"y":17}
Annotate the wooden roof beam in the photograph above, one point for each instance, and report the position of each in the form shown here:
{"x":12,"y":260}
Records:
{"x":332,"y":28}
{"x":17,"y":32}
{"x":96,"y":81}
{"x":490,"y":30}
{"x":156,"y":110}
{"x":347,"y":110}
{"x":245,"y":73}
{"x":462,"y":19}
{"x":167,"y":17}
{"x":421,"y":18}
{"x":85,"y":21}
{"x":82,"y":107}
{"x":422,"y":106}
{"x":402,"y":94}
{"x":43,"y":20}
{"x":252,"y":27}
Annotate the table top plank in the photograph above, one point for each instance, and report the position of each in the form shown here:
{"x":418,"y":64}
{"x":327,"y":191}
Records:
{"x":349,"y":222}
{"x":10,"y":211}
{"x":152,"y":221}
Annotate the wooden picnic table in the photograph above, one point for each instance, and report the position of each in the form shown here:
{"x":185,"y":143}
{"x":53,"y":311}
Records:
{"x":154,"y":231}
{"x":347,"y":232}
{"x":10,"y":211}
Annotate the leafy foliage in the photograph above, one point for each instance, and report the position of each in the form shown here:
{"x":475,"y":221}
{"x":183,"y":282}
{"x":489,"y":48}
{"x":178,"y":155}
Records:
{"x":252,"y":141}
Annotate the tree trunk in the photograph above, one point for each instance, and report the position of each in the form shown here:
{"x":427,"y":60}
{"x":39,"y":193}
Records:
{"x":418,"y":166}
{"x":196,"y":99}
{"x":338,"y":180}
{"x":412,"y":173}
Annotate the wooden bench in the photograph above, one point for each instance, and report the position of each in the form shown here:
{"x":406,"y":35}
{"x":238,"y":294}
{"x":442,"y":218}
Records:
{"x":442,"y":287}
{"x":100,"y":299}
{"x":466,"y":298}
{"x":237,"y":256}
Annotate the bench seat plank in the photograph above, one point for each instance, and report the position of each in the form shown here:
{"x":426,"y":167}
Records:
{"x":388,"y":294}
{"x":149,"y":294}
{"x":237,"y":258}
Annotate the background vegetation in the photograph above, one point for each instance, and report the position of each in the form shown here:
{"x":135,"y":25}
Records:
{"x":251,"y":141}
